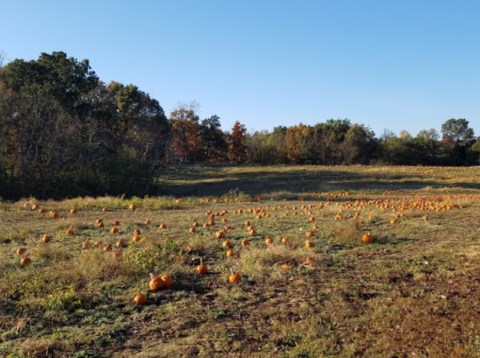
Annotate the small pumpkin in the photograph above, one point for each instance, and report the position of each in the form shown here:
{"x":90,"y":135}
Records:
{"x":167,"y":279}
{"x":309,"y":233}
{"x":201,"y":269}
{"x":24,"y":261}
{"x":46,"y":238}
{"x":245,"y":242}
{"x":163,"y":226}
{"x":309,"y":244}
{"x":234,"y":278}
{"x":120,"y":243}
{"x":367,"y":238}
{"x":155,"y":283}
{"x":230,"y":253}
{"x":269,"y":240}
{"x":21,"y":250}
{"x":227,"y":243}
{"x":140,"y":299}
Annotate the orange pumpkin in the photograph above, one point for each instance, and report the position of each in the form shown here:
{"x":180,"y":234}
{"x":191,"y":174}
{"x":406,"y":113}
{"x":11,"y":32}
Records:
{"x":21,"y":250}
{"x":309,"y":244}
{"x":167,"y":280}
{"x":120,"y":243}
{"x":140,"y":299}
{"x":234,"y":278}
{"x":230,"y":253}
{"x":24,"y":261}
{"x":201,"y":269}
{"x":367,"y":238}
{"x":245,"y":242}
{"x":156,"y":283}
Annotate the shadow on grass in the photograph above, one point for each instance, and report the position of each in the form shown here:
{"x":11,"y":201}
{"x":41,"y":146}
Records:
{"x":216,"y":181}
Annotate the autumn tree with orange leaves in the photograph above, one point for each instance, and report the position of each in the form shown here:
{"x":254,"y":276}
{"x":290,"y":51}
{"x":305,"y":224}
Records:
{"x":237,"y":150}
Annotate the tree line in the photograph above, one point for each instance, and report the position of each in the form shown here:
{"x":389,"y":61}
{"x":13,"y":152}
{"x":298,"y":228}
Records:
{"x":65,"y":133}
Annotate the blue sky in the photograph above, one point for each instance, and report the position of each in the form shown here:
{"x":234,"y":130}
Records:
{"x":388,"y":64}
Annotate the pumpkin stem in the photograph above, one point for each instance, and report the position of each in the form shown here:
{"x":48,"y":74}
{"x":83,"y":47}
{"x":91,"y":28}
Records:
{"x":152,"y":276}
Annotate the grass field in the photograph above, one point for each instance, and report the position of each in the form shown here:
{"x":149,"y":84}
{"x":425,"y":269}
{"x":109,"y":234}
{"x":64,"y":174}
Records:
{"x":413,"y":292}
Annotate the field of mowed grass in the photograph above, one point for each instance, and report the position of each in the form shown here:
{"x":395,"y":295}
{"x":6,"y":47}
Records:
{"x":289,"y":269}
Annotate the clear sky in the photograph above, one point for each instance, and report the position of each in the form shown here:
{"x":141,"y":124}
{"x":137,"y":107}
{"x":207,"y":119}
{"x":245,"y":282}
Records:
{"x":388,"y":64}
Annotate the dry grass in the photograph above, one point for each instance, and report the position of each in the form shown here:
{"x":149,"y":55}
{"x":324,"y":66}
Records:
{"x":413,"y":292}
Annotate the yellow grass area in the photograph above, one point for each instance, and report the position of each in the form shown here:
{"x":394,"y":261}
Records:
{"x":414,"y":291}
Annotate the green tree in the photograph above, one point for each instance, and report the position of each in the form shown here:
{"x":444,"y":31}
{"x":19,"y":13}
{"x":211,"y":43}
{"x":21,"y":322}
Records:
{"x":474,"y":153}
{"x":40,"y":103}
{"x":457,"y":132}
{"x":213,"y":143}
{"x":65,"y":133}
{"x":358,"y":144}
{"x":457,"y":137}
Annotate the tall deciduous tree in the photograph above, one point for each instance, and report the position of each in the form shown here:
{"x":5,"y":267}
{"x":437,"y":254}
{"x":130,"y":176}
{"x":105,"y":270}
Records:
{"x":457,"y":131}
{"x":65,"y":133}
{"x":213,"y":143}
{"x":237,"y":150}
{"x":457,"y":137}
{"x":185,"y":144}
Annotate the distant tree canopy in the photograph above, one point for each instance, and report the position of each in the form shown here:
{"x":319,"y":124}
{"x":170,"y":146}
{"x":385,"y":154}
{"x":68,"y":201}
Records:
{"x":65,"y":133}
